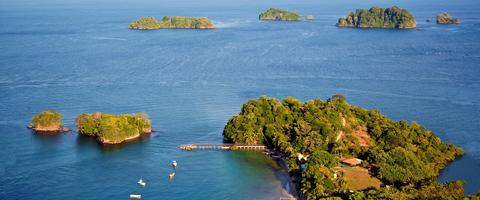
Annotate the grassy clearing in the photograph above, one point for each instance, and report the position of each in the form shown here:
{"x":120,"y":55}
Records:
{"x":358,"y":178}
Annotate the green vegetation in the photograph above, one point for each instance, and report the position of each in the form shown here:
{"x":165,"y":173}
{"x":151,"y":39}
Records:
{"x":404,"y":155}
{"x":445,"y":18}
{"x":377,"y":17}
{"x":113,"y":129}
{"x":278,"y":14}
{"x":149,"y":23}
{"x":49,"y":120}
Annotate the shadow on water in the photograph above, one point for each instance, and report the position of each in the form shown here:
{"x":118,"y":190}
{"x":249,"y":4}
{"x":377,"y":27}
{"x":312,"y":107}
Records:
{"x":282,"y":175}
{"x":260,"y":160}
{"x":49,"y":137}
{"x":251,"y":158}
{"x":84,"y":141}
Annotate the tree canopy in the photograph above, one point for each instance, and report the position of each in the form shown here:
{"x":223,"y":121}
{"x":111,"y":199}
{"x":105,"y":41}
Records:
{"x":47,"y":118}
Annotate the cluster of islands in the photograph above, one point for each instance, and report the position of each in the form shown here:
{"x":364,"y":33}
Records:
{"x":331,"y":149}
{"x":106,"y":128}
{"x":375,"y":17}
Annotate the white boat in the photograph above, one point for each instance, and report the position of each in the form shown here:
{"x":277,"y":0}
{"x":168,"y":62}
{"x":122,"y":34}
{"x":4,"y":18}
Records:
{"x":171,"y":175}
{"x":135,"y":196}
{"x":174,"y":164}
{"x":141,"y":182}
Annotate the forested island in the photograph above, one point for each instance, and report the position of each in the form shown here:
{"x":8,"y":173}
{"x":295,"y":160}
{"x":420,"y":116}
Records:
{"x":445,"y":18}
{"x":113,"y":129}
{"x":342,"y":151}
{"x":377,"y":17}
{"x":49,"y":121}
{"x":150,"y":23}
{"x":280,"y":15}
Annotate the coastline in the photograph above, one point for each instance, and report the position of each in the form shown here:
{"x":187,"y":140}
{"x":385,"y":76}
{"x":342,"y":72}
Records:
{"x":289,"y":191}
{"x":105,"y":141}
{"x":49,"y":129}
{"x":133,"y":137}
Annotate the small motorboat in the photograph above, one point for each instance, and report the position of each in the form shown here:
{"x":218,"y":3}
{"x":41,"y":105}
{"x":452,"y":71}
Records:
{"x":174,"y":164}
{"x":135,"y":196}
{"x":171,"y":175}
{"x":141,"y":182}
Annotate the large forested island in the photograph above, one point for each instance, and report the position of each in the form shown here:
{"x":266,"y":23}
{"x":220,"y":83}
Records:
{"x":113,"y":129}
{"x":382,"y":159}
{"x":377,"y":17}
{"x":49,"y":121}
{"x":150,"y":23}
{"x":280,"y":15}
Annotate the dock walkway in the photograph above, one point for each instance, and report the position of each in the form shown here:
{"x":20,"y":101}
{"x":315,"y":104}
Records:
{"x":190,"y":147}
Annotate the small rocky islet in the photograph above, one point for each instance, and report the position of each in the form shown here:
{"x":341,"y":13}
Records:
{"x":172,"y":22}
{"x":49,"y":121}
{"x":377,"y":17}
{"x":275,"y":14}
{"x":445,"y":18}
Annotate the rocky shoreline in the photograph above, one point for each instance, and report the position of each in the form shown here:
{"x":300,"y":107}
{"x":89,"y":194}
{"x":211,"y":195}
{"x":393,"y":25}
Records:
{"x":53,"y":129}
{"x":110,"y":142}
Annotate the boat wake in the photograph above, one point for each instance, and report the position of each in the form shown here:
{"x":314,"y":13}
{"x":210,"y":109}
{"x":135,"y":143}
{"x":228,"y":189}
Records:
{"x":232,"y":23}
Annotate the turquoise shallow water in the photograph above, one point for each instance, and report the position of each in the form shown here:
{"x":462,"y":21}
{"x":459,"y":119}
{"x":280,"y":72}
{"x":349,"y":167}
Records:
{"x":78,"y":56}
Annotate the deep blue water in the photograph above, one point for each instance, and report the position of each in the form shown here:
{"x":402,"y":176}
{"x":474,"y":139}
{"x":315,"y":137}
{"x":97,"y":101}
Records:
{"x":78,"y":56}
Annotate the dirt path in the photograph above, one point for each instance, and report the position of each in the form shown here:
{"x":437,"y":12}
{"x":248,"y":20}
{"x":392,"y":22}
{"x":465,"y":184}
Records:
{"x":341,"y":133}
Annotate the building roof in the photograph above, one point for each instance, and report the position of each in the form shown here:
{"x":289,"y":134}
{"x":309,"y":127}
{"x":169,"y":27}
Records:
{"x":351,"y":161}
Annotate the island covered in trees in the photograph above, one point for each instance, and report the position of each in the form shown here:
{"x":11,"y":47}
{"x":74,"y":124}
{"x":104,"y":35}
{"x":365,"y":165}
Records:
{"x":320,"y":139}
{"x":150,"y":23}
{"x":377,"y":17}
{"x":49,"y":121}
{"x":280,"y":15}
{"x":113,"y":129}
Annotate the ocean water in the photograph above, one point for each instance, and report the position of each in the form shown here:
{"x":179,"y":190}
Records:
{"x":79,"y":56}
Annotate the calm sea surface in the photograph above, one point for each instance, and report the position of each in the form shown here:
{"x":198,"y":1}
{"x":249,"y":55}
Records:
{"x":79,"y":56}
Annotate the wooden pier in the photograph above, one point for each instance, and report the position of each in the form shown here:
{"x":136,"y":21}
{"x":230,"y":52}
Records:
{"x":190,"y":147}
